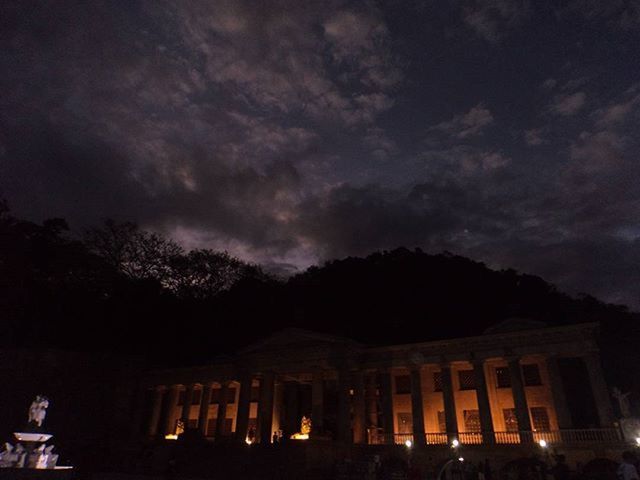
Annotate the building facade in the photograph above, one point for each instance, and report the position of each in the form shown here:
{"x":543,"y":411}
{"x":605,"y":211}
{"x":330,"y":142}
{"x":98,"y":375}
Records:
{"x":501,"y":388}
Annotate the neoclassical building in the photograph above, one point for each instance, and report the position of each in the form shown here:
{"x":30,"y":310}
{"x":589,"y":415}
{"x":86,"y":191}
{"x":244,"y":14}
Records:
{"x":515,"y":384}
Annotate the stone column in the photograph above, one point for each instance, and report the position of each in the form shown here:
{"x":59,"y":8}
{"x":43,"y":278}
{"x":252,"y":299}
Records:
{"x":520,"y":400}
{"x":599,"y":388}
{"x":291,"y":414}
{"x":386,"y":392}
{"x":343,"y":421}
{"x":372,"y":400}
{"x":203,"y":414}
{"x":265,"y":407}
{"x":186,"y":405}
{"x":136,"y":400}
{"x":317,"y":401}
{"x":359,"y":409}
{"x":417,"y":408}
{"x":169,"y":418}
{"x":484,"y":406}
{"x":244,"y":407}
{"x":278,"y":421}
{"x":450,"y":414}
{"x":222,"y":409}
{"x":156,"y":410}
{"x":563,"y":415}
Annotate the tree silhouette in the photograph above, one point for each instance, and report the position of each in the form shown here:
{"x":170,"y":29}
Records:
{"x":138,"y":254}
{"x":203,"y":273}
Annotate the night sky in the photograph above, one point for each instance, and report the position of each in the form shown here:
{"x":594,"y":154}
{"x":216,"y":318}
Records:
{"x":293,"y":132}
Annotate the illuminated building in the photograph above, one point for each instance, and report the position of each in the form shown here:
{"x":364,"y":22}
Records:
{"x":509,"y":386}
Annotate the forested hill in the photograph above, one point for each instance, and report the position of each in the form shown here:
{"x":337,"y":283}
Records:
{"x":117,"y":288}
{"x":411,"y":295}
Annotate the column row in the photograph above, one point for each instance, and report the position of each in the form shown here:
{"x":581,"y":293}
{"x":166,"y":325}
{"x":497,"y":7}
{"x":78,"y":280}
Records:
{"x":364,"y":402}
{"x":512,"y":376}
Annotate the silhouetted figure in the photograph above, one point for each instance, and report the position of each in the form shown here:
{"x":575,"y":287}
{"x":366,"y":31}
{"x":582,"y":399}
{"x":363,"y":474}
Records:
{"x":414,"y":472}
{"x":481,"y":475}
{"x":560,"y":470}
{"x":170,"y":472}
{"x":627,"y":469}
{"x":488,"y":473}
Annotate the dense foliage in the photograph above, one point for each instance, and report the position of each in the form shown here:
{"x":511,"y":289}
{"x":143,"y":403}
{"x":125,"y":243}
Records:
{"x":118,"y":288}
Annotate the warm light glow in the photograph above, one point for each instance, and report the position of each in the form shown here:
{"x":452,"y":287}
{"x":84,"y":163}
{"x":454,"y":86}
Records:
{"x":408,"y":443}
{"x":460,"y":459}
{"x":248,"y":441}
{"x":543,"y":443}
{"x":638,"y":441}
{"x":171,"y":436}
{"x":305,"y":430}
{"x":455,"y":443}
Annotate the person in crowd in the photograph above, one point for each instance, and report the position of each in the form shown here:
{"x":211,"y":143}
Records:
{"x":627,"y":469}
{"x":481,"y":475}
{"x":561,"y":471}
{"x":488,"y":472}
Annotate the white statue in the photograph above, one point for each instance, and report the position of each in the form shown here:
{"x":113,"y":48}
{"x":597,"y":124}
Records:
{"x":623,"y":402}
{"x":38,"y":410}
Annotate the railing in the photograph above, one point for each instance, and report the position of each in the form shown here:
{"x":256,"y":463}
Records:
{"x":566,"y":437}
{"x":402,"y":438}
{"x":436,"y":438}
{"x":508,"y":438}
{"x":575,"y":436}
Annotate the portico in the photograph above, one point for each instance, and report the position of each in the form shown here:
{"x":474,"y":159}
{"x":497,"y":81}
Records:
{"x":505,"y":387}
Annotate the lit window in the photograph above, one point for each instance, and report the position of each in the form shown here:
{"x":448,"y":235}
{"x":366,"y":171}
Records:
{"x":472,"y":421}
{"x":467,"y":380}
{"x":531,"y":375}
{"x":405,"y":423}
{"x":437,"y":381}
{"x":231,"y":395}
{"x":503,"y":377}
{"x":215,"y":396}
{"x":540,"y":419}
{"x":510,"y":419}
{"x":255,"y":394}
{"x":442,"y":423}
{"x":403,"y":384}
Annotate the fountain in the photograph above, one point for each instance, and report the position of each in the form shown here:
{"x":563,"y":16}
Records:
{"x":31,"y":451}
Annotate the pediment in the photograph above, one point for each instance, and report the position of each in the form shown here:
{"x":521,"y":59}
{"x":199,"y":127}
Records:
{"x":297,"y":338}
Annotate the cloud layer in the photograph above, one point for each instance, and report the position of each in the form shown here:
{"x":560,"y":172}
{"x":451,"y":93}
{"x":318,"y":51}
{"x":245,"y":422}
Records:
{"x":290,"y":133}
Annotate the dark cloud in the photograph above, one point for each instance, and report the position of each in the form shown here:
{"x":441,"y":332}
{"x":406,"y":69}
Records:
{"x":466,"y":125}
{"x":618,"y":14}
{"x":290,"y":133}
{"x":493,"y":19}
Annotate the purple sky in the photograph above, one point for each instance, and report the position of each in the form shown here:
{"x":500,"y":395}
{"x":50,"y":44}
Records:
{"x":292,"y":132}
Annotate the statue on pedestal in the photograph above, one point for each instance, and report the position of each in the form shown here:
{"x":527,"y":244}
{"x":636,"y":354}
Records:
{"x":31,"y":451}
{"x":305,"y":426}
{"x":623,"y":402}
{"x":305,"y":429}
{"x":629,"y":425}
{"x":38,"y":410}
